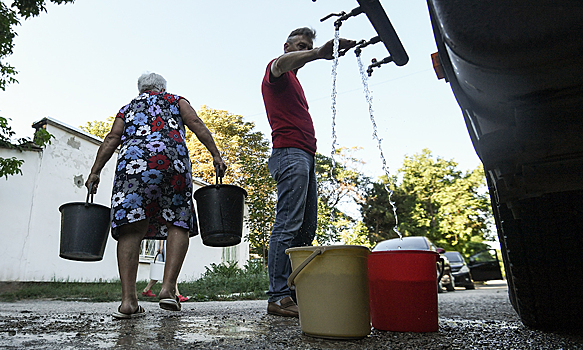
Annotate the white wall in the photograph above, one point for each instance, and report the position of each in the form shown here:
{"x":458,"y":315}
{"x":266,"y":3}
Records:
{"x":30,"y":219}
{"x":16,"y":197}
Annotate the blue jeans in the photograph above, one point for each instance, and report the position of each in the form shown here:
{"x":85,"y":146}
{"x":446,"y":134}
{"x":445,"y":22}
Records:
{"x":297,"y":213}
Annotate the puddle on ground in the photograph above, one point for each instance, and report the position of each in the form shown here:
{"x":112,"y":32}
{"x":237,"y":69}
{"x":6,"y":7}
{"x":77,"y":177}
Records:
{"x":23,"y":339}
{"x":99,"y":331}
{"x":202,"y":329}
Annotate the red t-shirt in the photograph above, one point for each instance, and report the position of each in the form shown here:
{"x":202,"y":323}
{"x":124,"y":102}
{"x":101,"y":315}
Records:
{"x":287,"y":111}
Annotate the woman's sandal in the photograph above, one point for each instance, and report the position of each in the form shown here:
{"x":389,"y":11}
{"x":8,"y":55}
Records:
{"x":120,"y":315}
{"x":170,"y":304}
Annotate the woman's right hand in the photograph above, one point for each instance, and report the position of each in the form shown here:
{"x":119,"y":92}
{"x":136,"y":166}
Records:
{"x":93,"y":178}
{"x":218,"y":163}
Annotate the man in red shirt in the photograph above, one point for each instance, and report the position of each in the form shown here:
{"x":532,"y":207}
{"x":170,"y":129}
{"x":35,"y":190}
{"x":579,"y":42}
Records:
{"x":292,"y":163}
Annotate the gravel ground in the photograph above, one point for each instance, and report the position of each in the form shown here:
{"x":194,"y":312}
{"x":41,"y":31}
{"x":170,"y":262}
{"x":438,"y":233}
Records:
{"x":468,"y":319}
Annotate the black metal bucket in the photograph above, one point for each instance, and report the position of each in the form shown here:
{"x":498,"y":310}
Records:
{"x":220,"y":213}
{"x":84,"y":230}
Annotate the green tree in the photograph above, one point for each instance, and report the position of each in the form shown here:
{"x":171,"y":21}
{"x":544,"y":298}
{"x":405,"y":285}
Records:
{"x":246,"y":152}
{"x":435,"y":200}
{"x":99,"y":128}
{"x":261,"y":202}
{"x":236,"y":140}
{"x":377,"y":212}
{"x":344,"y":187}
{"x":357,"y":235}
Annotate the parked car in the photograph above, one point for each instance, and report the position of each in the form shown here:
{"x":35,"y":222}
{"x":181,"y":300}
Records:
{"x":460,"y":270}
{"x":422,"y":243}
{"x":485,"y":266}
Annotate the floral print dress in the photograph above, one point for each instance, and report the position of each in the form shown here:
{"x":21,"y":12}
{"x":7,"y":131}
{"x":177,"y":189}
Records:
{"x":153,"y":178}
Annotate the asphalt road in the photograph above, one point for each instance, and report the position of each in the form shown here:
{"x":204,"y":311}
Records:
{"x":468,"y":319}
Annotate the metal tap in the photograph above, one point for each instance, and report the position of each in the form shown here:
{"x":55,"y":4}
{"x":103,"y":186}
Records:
{"x":363,"y":43}
{"x":376,"y":63}
{"x":343,"y":16}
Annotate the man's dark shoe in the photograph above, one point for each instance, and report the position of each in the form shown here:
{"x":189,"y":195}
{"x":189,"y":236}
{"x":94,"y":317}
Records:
{"x":285,"y":307}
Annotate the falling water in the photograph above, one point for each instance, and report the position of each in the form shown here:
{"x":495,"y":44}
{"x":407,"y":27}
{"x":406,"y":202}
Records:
{"x":334,"y":75}
{"x":367,"y":94}
{"x":335,"y":54}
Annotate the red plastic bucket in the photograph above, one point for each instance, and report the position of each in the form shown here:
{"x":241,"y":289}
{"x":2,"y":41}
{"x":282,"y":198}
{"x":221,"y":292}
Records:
{"x":403,"y":290}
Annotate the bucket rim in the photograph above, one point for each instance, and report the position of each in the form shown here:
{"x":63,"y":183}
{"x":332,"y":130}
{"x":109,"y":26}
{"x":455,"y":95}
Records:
{"x":85,"y":258}
{"x":404,"y":251}
{"x":325,"y":247}
{"x":218,"y":186}
{"x":83,"y":204}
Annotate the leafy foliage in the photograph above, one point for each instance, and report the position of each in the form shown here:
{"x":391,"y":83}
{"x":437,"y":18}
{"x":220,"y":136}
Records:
{"x":11,"y":166}
{"x":344,"y":186}
{"x":357,"y":235}
{"x":435,"y":200}
{"x":98,"y":128}
{"x":229,"y":282}
{"x":246,"y":153}
{"x":261,"y":203}
{"x":8,"y":19}
{"x":235,"y":139}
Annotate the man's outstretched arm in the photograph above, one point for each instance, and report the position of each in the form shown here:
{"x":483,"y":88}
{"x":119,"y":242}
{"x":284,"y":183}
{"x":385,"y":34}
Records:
{"x":297,"y":59}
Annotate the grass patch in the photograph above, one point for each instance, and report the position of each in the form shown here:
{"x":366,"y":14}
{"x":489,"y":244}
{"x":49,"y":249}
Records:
{"x":219,"y":282}
{"x":228,"y":282}
{"x":65,"y":290}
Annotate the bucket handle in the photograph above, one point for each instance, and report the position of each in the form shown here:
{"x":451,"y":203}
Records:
{"x":292,"y":276}
{"x":89,"y":190}
{"x":217,"y":178}
{"x":156,"y":257}
{"x":442,"y":269}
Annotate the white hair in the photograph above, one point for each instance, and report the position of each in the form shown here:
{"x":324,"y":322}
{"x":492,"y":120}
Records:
{"x":151,"y":82}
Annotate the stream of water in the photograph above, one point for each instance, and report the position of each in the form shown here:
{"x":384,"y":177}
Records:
{"x":335,"y":52}
{"x":368,"y":96}
{"x":333,"y":95}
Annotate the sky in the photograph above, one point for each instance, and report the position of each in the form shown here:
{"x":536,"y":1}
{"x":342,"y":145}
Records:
{"x":80,"y":62}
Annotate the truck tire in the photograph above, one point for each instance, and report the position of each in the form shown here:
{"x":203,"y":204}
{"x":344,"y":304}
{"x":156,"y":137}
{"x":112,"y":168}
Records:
{"x":542,"y":256}
{"x":502,"y":239}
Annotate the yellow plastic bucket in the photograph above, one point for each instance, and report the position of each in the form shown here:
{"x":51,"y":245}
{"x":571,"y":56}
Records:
{"x":331,"y":284}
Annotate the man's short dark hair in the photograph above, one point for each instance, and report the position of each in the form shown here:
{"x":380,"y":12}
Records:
{"x":305,"y":31}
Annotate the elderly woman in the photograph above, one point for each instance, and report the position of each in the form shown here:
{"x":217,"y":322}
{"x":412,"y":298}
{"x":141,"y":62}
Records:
{"x":152,"y":190}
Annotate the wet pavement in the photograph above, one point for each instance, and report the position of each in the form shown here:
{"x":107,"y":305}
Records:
{"x":468,"y":319}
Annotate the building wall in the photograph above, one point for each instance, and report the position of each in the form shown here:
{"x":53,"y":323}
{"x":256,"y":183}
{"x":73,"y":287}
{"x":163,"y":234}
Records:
{"x":30,"y":217}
